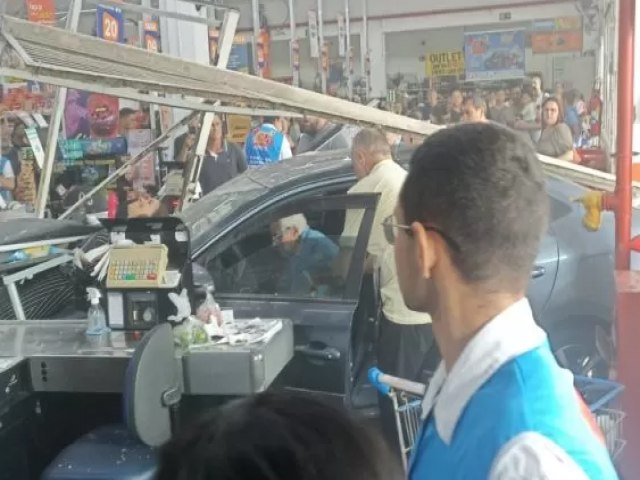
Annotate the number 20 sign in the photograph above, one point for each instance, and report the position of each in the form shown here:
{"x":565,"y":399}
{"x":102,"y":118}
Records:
{"x":110,"y":24}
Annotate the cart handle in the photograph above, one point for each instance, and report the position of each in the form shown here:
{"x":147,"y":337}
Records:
{"x":385,"y":383}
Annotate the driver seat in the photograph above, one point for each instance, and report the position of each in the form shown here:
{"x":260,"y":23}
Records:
{"x":152,"y":391}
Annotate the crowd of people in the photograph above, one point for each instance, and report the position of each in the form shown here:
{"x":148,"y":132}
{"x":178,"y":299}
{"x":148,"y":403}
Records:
{"x":556,"y":122}
{"x":498,"y":405}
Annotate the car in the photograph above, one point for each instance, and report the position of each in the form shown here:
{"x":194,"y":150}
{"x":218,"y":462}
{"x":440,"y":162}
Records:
{"x":572,"y":286}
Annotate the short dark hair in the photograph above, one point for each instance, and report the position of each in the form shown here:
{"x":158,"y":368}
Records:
{"x":484,"y":187}
{"x":125,"y":112}
{"x":373,"y":140}
{"x":477,"y":101}
{"x":277,"y":436}
{"x":270,"y":120}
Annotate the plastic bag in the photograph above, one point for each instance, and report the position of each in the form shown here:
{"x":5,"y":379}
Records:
{"x":209,"y":311}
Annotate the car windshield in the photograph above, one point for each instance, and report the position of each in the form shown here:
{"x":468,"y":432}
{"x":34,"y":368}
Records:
{"x":213,"y":210}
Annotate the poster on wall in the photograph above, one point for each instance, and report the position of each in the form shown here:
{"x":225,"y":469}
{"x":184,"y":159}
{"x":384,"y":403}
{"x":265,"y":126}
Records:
{"x":90,"y":115}
{"x":314,"y":47}
{"x":32,"y":97}
{"x":445,"y":64}
{"x":144,"y":172}
{"x":494,"y":55}
{"x":42,"y":12}
{"x":563,"y":34}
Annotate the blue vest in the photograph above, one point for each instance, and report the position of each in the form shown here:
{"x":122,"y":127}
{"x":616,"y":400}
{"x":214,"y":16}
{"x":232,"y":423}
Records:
{"x":527,"y":394}
{"x":263,"y":145}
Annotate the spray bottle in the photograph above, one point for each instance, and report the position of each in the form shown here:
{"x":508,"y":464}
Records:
{"x":97,"y":320}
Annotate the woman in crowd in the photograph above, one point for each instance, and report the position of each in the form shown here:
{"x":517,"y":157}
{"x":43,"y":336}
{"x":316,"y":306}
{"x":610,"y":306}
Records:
{"x":556,"y":139}
{"x":277,"y":436}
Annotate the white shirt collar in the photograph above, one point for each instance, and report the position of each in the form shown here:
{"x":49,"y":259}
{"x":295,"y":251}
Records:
{"x":510,"y":334}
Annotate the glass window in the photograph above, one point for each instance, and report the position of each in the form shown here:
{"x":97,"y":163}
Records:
{"x":295,"y":252}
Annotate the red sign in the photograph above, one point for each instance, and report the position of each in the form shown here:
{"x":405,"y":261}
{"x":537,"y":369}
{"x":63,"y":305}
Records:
{"x":555,"y":42}
{"x":41,"y":11}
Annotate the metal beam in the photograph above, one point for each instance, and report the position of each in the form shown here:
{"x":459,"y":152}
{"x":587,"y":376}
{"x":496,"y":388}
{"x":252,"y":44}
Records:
{"x":135,"y":95}
{"x":323,"y":73}
{"x":348,"y":52}
{"x":295,"y":74}
{"x":55,"y":123}
{"x":128,"y":7}
{"x":255,"y":15}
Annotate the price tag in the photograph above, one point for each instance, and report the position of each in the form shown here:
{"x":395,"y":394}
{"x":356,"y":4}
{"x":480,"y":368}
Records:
{"x":110,"y":24}
{"x":36,"y":145}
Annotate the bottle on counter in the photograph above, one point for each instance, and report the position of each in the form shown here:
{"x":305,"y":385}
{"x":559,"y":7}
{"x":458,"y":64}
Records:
{"x":97,"y":320}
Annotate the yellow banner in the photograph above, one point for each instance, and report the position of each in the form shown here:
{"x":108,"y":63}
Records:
{"x":445,"y":64}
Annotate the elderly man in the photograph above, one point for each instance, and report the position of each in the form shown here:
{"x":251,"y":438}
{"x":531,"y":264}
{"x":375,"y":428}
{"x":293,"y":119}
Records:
{"x":405,"y":336}
{"x":467,"y":230}
{"x":308,"y":251}
{"x":474,"y":109}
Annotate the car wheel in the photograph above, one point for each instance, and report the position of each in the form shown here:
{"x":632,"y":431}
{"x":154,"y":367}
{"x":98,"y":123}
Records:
{"x":574,"y":346}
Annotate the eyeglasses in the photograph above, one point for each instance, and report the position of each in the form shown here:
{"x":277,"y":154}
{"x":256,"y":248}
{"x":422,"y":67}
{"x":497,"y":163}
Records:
{"x":391,"y":228}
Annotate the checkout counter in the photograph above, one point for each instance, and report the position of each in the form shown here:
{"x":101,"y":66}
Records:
{"x":56,"y":381}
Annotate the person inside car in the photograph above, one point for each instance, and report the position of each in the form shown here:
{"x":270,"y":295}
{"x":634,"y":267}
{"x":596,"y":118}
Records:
{"x":309,"y":255}
{"x":277,"y":436}
{"x":405,"y":336}
{"x":467,"y":230}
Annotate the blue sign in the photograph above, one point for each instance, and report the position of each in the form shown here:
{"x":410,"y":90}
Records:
{"x":239,"y":58}
{"x":494,"y":55}
{"x":110,"y":24}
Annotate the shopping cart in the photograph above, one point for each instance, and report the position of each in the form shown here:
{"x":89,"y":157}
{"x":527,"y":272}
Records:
{"x":601,"y":395}
{"x":406,"y":397}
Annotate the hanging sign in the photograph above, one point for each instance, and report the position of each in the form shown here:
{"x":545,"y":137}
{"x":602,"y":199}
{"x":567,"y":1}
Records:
{"x":41,"y":11}
{"x":36,"y":146}
{"x":313,"y":34}
{"x":351,"y":61}
{"x":325,"y":57}
{"x":342,"y":37}
{"x":295,"y":56}
{"x":110,"y":24}
{"x":152,"y":36}
{"x":444,"y":64}
{"x":214,"y":45}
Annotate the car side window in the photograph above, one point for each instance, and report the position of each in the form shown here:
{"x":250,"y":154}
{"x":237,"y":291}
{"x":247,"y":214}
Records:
{"x":297,"y":252}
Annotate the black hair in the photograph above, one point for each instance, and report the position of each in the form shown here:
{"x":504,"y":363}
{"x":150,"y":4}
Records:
{"x":125,"y":112}
{"x":484,"y":187}
{"x":271,"y":120}
{"x":277,"y":436}
{"x":477,"y":101}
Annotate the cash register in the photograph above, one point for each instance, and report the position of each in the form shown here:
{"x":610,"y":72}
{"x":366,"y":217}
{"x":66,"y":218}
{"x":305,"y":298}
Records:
{"x":149,"y":258}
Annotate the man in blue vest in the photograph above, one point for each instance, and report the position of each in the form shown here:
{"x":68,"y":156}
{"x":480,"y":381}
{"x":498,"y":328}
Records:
{"x":267,"y":143}
{"x":466,"y":230}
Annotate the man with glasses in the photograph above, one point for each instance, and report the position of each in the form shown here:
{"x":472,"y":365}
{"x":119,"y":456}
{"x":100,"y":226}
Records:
{"x":404,"y":336}
{"x":467,"y":230}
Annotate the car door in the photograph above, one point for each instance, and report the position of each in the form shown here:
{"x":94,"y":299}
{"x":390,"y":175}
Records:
{"x":322,"y":317}
{"x":543,"y":274}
